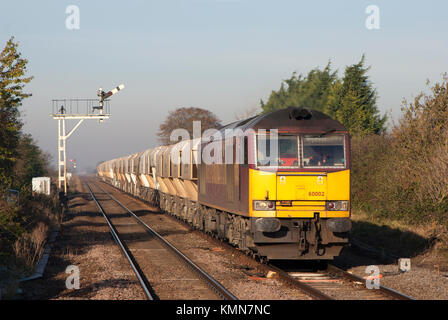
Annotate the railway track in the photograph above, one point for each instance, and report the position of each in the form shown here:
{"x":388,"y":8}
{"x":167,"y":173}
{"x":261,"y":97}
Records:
{"x":335,"y":283}
{"x":212,"y":284}
{"x":331,"y":283}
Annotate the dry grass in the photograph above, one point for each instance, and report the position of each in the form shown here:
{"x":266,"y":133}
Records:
{"x":30,"y":246}
{"x":398,"y":237}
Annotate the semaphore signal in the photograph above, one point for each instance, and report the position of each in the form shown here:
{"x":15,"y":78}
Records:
{"x":77,"y":109}
{"x":105,"y":95}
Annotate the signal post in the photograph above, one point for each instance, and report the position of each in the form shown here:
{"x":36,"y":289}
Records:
{"x":77,"y":109}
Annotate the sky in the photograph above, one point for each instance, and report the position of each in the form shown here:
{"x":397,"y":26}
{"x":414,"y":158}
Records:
{"x":221,"y":55}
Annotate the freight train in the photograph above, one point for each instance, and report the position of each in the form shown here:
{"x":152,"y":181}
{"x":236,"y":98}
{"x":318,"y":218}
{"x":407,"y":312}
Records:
{"x":277,"y":187}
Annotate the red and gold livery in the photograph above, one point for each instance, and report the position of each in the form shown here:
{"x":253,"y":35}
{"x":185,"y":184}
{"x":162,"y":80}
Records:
{"x":284,"y":194}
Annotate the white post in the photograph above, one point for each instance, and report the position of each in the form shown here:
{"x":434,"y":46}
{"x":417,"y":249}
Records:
{"x":65,"y":157}
{"x":59,"y":154}
{"x":62,"y":164}
{"x":62,"y":160}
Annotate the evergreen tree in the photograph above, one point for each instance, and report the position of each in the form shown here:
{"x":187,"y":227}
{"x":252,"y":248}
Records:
{"x":12,"y":81}
{"x":32,"y":161}
{"x":352,"y":101}
{"x":310,"y":92}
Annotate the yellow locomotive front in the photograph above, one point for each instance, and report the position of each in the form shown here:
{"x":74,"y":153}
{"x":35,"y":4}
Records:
{"x":299,"y":196}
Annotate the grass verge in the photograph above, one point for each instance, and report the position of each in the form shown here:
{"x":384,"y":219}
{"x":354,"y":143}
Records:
{"x":398,"y":238}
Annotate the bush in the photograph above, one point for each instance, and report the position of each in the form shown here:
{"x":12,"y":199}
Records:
{"x":10,"y":229}
{"x":20,"y":226}
{"x":403,"y":174}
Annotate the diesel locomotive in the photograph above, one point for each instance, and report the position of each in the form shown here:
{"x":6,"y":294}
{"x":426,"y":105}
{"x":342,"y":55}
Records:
{"x":278,"y":187}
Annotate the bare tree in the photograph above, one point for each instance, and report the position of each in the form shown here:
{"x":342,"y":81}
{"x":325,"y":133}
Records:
{"x":182,"y":118}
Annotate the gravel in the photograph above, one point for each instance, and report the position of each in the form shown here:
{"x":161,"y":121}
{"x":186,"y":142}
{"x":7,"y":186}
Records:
{"x":85,"y":242}
{"x":426,"y":280}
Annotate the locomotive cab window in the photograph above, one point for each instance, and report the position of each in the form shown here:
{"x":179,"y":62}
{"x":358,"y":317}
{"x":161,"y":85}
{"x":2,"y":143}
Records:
{"x":323,"y":151}
{"x":286,"y":155}
{"x":307,"y":151}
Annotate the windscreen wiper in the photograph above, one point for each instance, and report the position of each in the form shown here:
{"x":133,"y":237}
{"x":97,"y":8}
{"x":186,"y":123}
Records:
{"x":325,"y":133}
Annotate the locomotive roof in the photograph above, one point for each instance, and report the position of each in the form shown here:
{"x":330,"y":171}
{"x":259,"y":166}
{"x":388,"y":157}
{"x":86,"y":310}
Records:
{"x":293,"y":118}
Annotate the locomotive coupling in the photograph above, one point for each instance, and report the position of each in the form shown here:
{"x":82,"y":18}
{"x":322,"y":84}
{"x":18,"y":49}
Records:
{"x":267,"y":224}
{"x":339,"y":224}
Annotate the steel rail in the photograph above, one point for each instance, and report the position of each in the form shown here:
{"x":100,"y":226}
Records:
{"x":209,"y":280}
{"x":314,"y":293}
{"x":284,"y":276}
{"x":383,"y":289}
{"x":126,"y":252}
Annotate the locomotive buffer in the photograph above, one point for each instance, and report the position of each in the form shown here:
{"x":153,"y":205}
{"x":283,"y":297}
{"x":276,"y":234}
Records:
{"x":77,"y":109}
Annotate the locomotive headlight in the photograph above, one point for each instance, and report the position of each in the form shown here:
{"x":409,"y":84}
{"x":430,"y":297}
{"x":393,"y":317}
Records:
{"x":264,"y":205}
{"x":337,"y":205}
